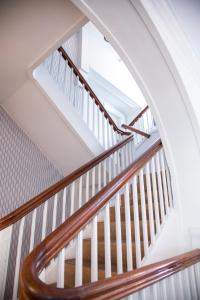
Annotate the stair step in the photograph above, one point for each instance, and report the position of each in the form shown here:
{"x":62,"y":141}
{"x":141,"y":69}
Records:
{"x":70,"y":272}
{"x":101,"y":252}
{"x":122,"y":210}
{"x":123,"y":230}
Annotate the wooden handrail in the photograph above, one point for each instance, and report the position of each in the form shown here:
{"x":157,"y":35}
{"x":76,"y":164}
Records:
{"x":89,"y":89}
{"x":118,"y":286}
{"x":24,"y":209}
{"x":31,"y":286}
{"x":136,"y":131}
{"x":138,"y":116}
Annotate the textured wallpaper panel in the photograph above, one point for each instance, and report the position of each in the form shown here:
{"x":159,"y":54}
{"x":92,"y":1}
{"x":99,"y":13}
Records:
{"x":24,"y":170}
{"x":24,"y":173}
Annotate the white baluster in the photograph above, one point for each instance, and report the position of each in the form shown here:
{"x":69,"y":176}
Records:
{"x":94,"y":239}
{"x":172,"y":287}
{"x":118,"y":162}
{"x":193,"y":283}
{"x":98,"y":124}
{"x":160,"y":190}
{"x":5,"y":241}
{"x":133,"y":148}
{"x":55,"y":202}
{"x":123,"y":157}
{"x":180,"y":285}
{"x":93,"y":116}
{"x":87,"y":185}
{"x":113,"y":136}
{"x":99,"y":176}
{"x":115,"y":158}
{"x":104,"y":173}
{"x":44,"y":221}
{"x":115,"y":164}
{"x":58,"y":69}
{"x":44,"y":224}
{"x":185,"y":279}
{"x":64,"y":78}
{"x":197,"y":276}
{"x":155,"y":196}
{"x":18,"y":259}
{"x":150,"y":203}
{"x":130,"y":153}
{"x":61,"y":256}
{"x":107,"y":232}
{"x":103,"y":132}
{"x":143,"y":209}
{"x":164,"y":180}
{"x":162,"y":284}
{"x":129,"y":254}
{"x":108,"y":137}
{"x":155,"y":291}
{"x":32,"y":236}
{"x":107,"y":241}
{"x":110,"y":170}
{"x":88,"y":109}
{"x":169,"y":187}
{"x":51,"y":64}
{"x":118,"y":234}
{"x":79,"y":246}
{"x":71,"y":87}
{"x":127,"y":156}
{"x":79,"y":260}
{"x":72,"y":198}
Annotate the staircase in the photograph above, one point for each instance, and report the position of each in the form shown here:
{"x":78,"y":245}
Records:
{"x":87,"y":263}
{"x":96,"y":228}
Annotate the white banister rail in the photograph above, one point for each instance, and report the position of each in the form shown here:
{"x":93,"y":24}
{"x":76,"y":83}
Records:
{"x":41,"y":219}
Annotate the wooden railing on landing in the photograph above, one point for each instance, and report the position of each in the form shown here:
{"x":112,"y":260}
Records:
{"x":138,"y":116}
{"x":53,"y":207}
{"x":90,"y":91}
{"x":30,"y":205}
{"x":130,"y":128}
{"x":33,"y":288}
{"x":142,"y":125}
{"x":125,"y":284}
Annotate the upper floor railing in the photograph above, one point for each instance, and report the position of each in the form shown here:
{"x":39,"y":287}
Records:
{"x":142,"y":193}
{"x":81,"y":96}
{"x":142,"y":125}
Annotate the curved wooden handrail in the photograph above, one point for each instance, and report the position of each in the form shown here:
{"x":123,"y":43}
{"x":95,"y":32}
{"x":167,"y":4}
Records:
{"x":24,"y":209}
{"x":31,"y":285}
{"x":89,"y":89}
{"x":118,"y":286}
{"x":138,"y":116}
{"x":136,"y":130}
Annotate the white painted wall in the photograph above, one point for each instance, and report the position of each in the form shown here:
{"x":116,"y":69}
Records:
{"x":117,"y":103}
{"x":187,"y":15}
{"x":168,"y":243}
{"x":171,"y":96}
{"x":29,"y":31}
{"x":102,"y":58}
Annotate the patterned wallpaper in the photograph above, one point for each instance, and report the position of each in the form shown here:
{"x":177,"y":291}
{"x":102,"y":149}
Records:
{"x":24,"y":173}
{"x":24,"y":170}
